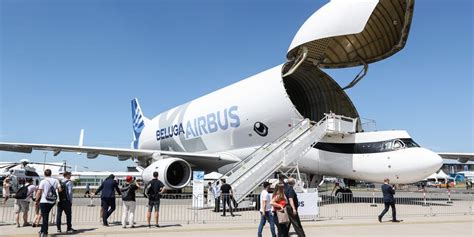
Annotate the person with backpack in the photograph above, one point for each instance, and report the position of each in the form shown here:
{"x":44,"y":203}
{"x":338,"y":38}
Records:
{"x":154,"y":190}
{"x":46,"y":197}
{"x":22,"y":201}
{"x":128,"y":200}
{"x":65,"y":202}
{"x":107,"y":197}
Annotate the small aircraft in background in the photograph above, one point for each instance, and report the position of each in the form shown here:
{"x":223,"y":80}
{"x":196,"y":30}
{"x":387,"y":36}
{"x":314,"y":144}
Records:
{"x":19,"y":171}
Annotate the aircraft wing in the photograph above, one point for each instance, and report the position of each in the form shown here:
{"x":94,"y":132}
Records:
{"x":461,"y":157}
{"x":120,"y":153}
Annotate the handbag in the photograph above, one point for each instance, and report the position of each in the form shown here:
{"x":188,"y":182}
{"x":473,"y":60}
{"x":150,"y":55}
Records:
{"x":282,"y":216}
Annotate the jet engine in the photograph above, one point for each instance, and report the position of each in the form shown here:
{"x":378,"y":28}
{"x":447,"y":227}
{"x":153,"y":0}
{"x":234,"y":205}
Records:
{"x":175,"y":173}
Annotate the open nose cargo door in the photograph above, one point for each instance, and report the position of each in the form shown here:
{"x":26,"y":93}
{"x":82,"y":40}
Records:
{"x":347,"y":33}
{"x":343,"y":33}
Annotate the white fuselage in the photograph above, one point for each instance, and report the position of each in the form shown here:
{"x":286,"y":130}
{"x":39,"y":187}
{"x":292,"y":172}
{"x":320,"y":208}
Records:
{"x":223,"y":122}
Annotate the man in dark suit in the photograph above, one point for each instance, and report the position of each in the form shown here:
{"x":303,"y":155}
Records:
{"x":389,"y":201}
{"x":108,"y":197}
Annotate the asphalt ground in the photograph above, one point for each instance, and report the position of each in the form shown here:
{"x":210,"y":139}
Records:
{"x":459,"y":226}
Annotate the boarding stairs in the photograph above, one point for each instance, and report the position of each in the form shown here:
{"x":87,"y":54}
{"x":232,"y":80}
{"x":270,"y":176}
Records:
{"x":246,"y":175}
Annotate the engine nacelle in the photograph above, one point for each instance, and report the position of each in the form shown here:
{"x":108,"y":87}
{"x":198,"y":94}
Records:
{"x":175,"y":173}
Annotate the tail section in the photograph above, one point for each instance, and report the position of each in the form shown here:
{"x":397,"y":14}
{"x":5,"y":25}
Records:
{"x":139,"y":121}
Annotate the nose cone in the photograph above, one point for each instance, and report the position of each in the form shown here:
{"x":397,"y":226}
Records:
{"x":434,"y":162}
{"x":415,"y":164}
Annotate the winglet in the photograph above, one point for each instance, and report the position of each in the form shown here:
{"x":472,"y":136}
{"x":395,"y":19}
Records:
{"x":81,"y":139}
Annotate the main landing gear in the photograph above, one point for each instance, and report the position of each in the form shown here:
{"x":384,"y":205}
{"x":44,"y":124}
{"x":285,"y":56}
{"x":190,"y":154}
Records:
{"x":343,"y":193}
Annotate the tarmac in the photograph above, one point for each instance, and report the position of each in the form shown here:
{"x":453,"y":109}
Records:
{"x":458,"y":225}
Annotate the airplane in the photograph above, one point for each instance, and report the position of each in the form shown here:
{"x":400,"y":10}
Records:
{"x":217,"y":130}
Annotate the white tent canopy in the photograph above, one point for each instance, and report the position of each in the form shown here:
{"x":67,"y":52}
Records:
{"x":437,"y":176}
{"x":442,"y":175}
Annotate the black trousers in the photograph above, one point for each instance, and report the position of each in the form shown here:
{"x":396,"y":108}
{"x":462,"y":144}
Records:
{"x":108,"y":207}
{"x":295,"y":221}
{"x":217,"y":202}
{"x":385,"y":210}
{"x":45,"y":209}
{"x":226,"y":200}
{"x":66,"y":207}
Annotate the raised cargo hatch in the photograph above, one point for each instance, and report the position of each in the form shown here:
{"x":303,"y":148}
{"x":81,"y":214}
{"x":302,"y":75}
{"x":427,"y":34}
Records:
{"x":347,"y":33}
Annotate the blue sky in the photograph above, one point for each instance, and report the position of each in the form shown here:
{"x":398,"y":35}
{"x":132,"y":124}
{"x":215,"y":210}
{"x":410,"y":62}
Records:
{"x":67,"y":65}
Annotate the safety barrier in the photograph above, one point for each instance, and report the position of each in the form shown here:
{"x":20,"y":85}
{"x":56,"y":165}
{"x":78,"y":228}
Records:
{"x":178,"y":208}
{"x":370,"y":204}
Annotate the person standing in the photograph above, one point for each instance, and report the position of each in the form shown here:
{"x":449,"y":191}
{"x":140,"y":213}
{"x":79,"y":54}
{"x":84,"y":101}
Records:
{"x":292,"y":209}
{"x":389,"y":201}
{"x":65,"y":203}
{"x":226,"y":193}
{"x":37,"y":219}
{"x":6,"y":190}
{"x":154,"y":190}
{"x":129,"y":202}
{"x":107,"y":197}
{"x":217,"y":196}
{"x":46,"y":197}
{"x":266,"y":210}
{"x":88,"y":190}
{"x":278,"y":203}
{"x":22,"y":201}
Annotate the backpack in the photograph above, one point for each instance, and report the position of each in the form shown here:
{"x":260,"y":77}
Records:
{"x":125,"y":192}
{"x":22,"y":193}
{"x":63,"y":193}
{"x":51,"y":195}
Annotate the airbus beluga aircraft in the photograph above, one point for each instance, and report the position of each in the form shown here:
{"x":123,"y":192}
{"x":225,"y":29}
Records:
{"x":218,"y":130}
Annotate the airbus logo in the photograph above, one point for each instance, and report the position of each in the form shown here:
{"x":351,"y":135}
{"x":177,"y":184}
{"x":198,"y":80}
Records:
{"x":206,"y":124}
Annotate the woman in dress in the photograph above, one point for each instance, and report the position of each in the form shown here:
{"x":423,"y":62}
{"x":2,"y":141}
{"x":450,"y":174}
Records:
{"x":6,"y":190}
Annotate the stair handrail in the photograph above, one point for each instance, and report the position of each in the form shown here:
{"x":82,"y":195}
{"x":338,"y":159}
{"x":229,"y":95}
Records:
{"x":315,"y":125}
{"x":243,"y":161}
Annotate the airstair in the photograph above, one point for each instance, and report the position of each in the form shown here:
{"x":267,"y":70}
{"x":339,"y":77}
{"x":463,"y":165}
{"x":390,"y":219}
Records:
{"x":246,"y":175}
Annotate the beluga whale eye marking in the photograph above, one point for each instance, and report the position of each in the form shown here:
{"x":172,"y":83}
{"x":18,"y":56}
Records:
{"x":261,"y":129}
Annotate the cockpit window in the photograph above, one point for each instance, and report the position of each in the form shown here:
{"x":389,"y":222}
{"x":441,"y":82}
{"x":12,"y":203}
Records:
{"x":397,"y":144}
{"x":367,"y":147}
{"x":387,"y":146}
{"x":409,"y":143}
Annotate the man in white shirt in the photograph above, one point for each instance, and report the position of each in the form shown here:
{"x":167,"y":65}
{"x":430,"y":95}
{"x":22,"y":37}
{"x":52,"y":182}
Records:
{"x":265,"y":210}
{"x":216,"y":190}
{"x":46,"y":198}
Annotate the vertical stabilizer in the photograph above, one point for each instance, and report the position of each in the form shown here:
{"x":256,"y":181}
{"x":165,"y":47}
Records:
{"x":138,"y":121}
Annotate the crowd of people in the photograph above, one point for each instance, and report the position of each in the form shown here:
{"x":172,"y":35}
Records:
{"x":278,"y":205}
{"x":53,"y":192}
